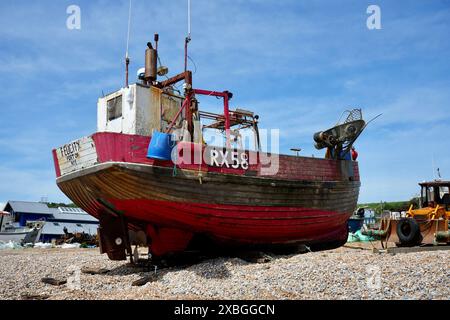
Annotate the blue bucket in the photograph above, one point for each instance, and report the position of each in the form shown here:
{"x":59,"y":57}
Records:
{"x":160,"y":146}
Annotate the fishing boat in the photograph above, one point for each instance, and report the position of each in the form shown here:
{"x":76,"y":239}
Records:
{"x":363,"y":216}
{"x":356,"y":221}
{"x":21,"y":235}
{"x":149,"y":177}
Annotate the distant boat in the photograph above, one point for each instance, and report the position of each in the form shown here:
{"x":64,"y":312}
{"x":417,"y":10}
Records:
{"x":9,"y":232}
{"x":362,"y":216}
{"x":356,"y":221}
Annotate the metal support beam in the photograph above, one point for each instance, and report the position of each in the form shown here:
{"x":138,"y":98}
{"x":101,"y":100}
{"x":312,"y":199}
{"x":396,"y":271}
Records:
{"x":186,"y":76}
{"x":226,"y":111}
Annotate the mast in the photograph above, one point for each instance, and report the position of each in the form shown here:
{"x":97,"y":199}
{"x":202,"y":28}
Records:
{"x":188,"y":38}
{"x":188,"y":77}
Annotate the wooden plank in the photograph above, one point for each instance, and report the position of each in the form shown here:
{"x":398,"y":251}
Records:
{"x":417,"y":249}
{"x":93,"y":271}
{"x":76,"y":155}
{"x":395,"y":250}
{"x":54,"y":282}
{"x":29,"y":296}
{"x":144,"y":280}
{"x":130,"y":184}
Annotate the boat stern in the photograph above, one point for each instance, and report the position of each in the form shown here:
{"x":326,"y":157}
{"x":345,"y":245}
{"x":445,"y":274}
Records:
{"x":75,"y":156}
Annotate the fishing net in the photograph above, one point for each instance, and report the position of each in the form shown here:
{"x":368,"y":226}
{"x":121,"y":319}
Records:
{"x":352,"y":115}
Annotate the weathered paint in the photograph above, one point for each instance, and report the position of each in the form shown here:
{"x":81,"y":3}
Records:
{"x":133,"y":149}
{"x":143,"y":110}
{"x":76,"y":155}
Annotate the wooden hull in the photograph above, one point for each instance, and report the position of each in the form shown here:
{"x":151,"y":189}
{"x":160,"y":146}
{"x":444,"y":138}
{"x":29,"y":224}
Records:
{"x":226,"y":208}
{"x":171,"y":206}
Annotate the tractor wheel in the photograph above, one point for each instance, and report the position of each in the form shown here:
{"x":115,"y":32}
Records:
{"x":408,"y":232}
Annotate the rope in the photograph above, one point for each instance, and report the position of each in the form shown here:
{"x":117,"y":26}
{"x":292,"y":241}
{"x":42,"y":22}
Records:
{"x":195,"y":66}
{"x":381,"y":240}
{"x":384,"y":246}
{"x":388,"y":224}
{"x":200,"y":173}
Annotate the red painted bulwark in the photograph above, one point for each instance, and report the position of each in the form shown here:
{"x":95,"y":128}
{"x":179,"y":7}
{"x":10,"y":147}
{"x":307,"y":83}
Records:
{"x":56,"y":164}
{"x":129,"y":148}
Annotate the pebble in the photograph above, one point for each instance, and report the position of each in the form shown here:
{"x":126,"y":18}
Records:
{"x":342,"y":273}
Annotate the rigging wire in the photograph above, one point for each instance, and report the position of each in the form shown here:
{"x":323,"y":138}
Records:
{"x":195,"y":66}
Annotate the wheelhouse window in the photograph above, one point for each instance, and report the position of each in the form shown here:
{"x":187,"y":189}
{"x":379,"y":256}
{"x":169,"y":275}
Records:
{"x":114,"y":106}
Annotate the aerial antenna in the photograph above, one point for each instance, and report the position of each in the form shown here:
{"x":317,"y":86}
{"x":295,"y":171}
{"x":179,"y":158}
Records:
{"x":433,"y":166}
{"x":127,"y":58}
{"x":436,"y":171}
{"x":189,"y":19}
{"x":188,"y":38}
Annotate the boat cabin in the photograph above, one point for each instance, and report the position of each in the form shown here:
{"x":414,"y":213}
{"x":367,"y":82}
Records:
{"x":138,"y":110}
{"x":141,"y":109}
{"x":5,"y":219}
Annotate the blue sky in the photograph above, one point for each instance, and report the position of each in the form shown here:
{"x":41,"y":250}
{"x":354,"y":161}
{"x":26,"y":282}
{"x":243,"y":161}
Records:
{"x":298,"y":64}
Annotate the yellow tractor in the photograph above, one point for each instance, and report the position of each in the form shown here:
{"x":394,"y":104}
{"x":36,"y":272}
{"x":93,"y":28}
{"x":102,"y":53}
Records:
{"x":428,"y":224}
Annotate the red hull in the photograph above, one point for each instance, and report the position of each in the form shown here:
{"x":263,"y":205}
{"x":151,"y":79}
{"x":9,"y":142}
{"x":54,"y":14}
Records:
{"x":231,"y":221}
{"x":240,"y":224}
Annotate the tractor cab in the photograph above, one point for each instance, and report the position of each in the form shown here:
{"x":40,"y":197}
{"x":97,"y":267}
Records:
{"x":435,"y":193}
{"x":434,"y":199}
